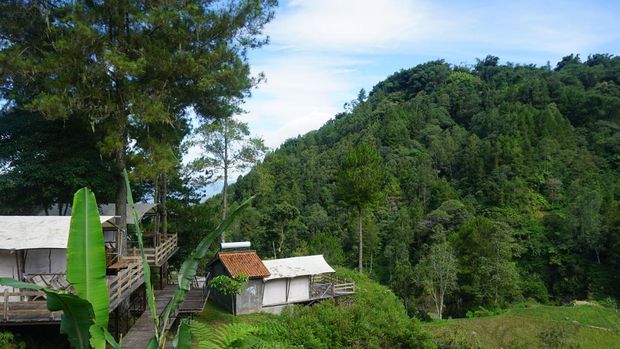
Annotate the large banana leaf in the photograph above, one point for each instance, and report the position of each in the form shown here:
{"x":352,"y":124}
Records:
{"x":190,"y":265}
{"x":98,"y":333}
{"x":183,"y":339}
{"x":86,"y":258}
{"x":150,"y":295}
{"x":77,"y":313}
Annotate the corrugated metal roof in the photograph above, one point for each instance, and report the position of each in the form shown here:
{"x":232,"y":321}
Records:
{"x":29,"y":232}
{"x":297,"y":266}
{"x":243,"y":262}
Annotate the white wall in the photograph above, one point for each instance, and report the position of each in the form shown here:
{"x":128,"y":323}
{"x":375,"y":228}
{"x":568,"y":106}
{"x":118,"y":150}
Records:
{"x":109,"y":235}
{"x":299,"y":289}
{"x":275,"y":292}
{"x":43,"y":261}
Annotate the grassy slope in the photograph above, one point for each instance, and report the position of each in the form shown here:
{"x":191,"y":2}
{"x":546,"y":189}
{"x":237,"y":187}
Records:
{"x":594,"y":326}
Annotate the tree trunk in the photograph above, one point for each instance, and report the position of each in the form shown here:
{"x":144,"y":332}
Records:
{"x":121,"y":199}
{"x":164,"y":209}
{"x":224,"y":200}
{"x":225,"y":189}
{"x":281,"y":242}
{"x":441,"y":296}
{"x":359,"y":231}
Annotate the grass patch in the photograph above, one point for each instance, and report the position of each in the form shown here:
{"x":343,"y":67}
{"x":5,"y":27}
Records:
{"x":591,"y":326}
{"x":214,"y":316}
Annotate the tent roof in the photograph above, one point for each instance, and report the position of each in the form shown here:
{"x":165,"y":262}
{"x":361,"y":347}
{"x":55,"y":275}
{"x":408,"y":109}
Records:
{"x":297,"y":266}
{"x":30,"y":232}
{"x":141,"y":208}
{"x":110,"y":210}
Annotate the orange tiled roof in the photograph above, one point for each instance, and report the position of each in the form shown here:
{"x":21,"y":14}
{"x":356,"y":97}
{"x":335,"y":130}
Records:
{"x":245,"y":262}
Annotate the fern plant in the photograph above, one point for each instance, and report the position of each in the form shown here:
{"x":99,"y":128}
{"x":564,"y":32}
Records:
{"x":229,"y":336}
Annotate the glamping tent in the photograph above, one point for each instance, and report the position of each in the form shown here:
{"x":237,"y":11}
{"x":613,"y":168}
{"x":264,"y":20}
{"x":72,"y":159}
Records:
{"x":290,"y":279}
{"x":36,"y":244}
{"x":33,"y":249}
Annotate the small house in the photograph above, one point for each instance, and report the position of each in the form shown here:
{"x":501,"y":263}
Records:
{"x":233,"y":263}
{"x":277,"y":283}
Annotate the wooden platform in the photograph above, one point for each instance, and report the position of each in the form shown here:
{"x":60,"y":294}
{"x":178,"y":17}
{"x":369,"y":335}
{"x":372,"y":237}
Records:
{"x":142,"y":331}
{"x":194,"y":302}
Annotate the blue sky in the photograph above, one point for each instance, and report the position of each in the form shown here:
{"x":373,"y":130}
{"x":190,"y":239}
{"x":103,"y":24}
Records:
{"x":322,"y":52}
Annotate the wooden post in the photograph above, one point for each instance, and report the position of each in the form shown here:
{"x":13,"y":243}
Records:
{"x":6,"y":304}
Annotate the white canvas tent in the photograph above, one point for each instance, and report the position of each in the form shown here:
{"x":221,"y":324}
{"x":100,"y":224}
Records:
{"x":40,"y":240}
{"x":289,"y":281}
{"x":141,"y":208}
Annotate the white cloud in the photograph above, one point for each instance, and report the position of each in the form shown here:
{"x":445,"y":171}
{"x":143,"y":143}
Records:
{"x":301,"y":93}
{"x":352,"y":25}
{"x":423,"y":26}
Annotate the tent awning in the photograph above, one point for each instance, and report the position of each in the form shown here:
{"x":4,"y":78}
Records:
{"x":30,"y":232}
{"x":297,"y":266}
{"x":141,"y":208}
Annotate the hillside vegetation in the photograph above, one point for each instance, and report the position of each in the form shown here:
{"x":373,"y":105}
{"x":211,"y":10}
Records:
{"x":373,"y":318}
{"x":510,"y":172}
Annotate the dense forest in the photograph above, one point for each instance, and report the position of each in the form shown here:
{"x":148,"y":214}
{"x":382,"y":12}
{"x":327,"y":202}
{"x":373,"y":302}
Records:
{"x":474,"y":186}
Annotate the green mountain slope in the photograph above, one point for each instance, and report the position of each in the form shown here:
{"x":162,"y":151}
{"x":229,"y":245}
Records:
{"x":588,"y":326}
{"x":516,"y":167}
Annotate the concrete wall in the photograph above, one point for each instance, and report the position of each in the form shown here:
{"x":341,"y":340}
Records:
{"x":250,"y":300}
{"x":46,"y":261}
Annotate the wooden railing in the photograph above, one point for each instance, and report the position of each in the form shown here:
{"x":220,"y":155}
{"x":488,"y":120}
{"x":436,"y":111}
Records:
{"x":325,"y":286}
{"x":127,"y":280}
{"x":162,"y":251}
{"x":28,"y":306}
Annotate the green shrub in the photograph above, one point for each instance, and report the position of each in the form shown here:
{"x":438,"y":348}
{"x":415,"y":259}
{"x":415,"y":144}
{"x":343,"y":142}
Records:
{"x":229,"y":286}
{"x":9,"y":341}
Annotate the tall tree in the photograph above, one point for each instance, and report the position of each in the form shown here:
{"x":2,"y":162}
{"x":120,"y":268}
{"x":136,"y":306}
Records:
{"x":227,"y":146}
{"x":585,"y":217}
{"x":281,"y":216}
{"x":437,"y":270}
{"x":124,"y":63}
{"x":38,"y":154}
{"x":359,"y":182}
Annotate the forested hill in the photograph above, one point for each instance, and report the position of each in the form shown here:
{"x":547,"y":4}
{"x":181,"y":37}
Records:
{"x":514,"y":168}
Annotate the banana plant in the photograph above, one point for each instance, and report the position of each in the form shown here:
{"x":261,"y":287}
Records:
{"x":84,"y":314}
{"x":186,"y":274}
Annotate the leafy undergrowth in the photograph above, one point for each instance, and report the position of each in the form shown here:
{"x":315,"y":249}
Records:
{"x":375,"y":319}
{"x":582,"y":326}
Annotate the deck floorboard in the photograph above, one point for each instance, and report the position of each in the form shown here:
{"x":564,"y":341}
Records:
{"x":142,"y":331}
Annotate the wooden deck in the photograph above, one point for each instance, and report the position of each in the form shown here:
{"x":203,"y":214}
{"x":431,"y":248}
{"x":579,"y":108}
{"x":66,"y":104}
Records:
{"x":163,"y":250}
{"x":142,"y":331}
